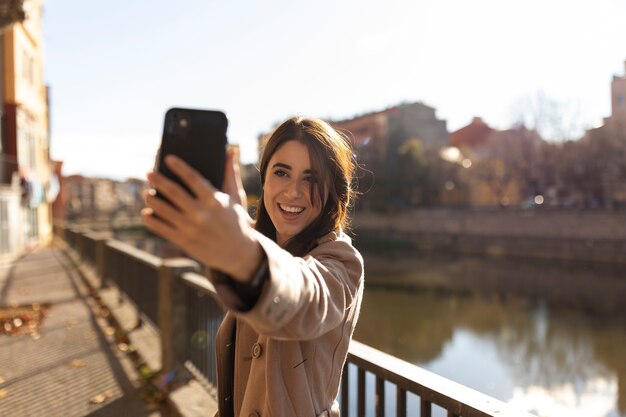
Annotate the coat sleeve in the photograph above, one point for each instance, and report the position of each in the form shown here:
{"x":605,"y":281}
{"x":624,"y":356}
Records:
{"x":303,"y":298}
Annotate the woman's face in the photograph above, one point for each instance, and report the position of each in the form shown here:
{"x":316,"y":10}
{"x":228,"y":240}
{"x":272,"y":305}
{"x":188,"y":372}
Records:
{"x":287,"y":190}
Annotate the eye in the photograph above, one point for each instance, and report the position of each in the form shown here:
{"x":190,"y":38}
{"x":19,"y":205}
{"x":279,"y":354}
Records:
{"x":280,"y":173}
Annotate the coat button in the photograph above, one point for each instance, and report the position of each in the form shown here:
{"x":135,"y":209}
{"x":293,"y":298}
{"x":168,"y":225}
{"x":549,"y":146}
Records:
{"x":256,"y":351}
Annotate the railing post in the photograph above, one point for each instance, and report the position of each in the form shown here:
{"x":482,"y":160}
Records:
{"x":172,"y":311}
{"x":380,"y":397}
{"x":345,"y":391}
{"x":78,"y":242}
{"x":101,"y":260}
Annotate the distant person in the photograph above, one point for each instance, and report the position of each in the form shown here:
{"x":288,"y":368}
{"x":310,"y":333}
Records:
{"x":291,"y":279}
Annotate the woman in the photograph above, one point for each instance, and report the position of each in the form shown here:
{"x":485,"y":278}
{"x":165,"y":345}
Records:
{"x":292,"y":281}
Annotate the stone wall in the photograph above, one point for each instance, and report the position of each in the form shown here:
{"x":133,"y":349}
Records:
{"x":589,"y":235}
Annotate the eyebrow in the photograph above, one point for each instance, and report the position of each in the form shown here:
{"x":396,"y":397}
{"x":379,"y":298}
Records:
{"x":281,"y":165}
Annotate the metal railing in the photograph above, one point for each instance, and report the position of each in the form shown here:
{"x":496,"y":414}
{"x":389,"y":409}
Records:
{"x":184,"y":307}
{"x":398,"y":388}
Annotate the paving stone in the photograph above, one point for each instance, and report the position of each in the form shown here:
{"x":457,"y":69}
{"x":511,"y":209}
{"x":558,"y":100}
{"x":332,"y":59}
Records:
{"x":73,"y":364}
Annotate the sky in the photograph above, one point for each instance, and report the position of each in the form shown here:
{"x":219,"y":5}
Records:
{"x":114,"y":67}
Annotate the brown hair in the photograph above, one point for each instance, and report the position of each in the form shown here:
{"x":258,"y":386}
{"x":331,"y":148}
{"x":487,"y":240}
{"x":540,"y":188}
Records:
{"x":332,"y":159}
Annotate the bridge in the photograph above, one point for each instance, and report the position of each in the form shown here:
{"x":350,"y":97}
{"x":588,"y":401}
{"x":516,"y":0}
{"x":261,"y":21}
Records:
{"x":165,"y":314}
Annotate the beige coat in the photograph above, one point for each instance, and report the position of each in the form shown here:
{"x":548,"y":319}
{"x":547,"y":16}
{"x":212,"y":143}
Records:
{"x":290,"y":348}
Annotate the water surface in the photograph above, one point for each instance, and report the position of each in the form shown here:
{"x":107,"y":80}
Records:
{"x":545,"y":360}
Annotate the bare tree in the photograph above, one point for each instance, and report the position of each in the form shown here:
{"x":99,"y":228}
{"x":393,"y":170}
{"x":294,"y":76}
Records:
{"x":554,"y":120}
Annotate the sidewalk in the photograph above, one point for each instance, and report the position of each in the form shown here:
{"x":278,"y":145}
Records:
{"x":70,"y":366}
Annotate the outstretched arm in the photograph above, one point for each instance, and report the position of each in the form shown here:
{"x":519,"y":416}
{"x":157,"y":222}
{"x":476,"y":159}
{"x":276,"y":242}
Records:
{"x":210,"y":225}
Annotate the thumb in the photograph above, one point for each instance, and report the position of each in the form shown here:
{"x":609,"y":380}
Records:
{"x":233,"y":186}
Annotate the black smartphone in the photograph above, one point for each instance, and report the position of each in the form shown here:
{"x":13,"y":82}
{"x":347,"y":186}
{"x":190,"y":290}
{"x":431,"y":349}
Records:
{"x":199,"y":138}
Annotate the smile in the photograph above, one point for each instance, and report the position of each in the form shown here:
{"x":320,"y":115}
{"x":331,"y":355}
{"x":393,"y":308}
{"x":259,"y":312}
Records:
{"x":291,"y":209}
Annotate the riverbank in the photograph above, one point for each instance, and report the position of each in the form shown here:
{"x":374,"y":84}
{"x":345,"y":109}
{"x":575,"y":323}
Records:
{"x":570,"y":235}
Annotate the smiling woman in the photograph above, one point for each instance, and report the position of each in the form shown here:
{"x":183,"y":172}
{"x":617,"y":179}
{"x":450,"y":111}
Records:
{"x":321,"y":170}
{"x":291,"y":279}
{"x":288,"y":194}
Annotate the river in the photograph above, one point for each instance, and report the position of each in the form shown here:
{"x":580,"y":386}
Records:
{"x":550,"y":360}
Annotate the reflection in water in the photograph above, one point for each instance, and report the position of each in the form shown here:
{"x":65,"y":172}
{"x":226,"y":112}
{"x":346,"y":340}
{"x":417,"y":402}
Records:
{"x":552,"y":363}
{"x":594,"y":397}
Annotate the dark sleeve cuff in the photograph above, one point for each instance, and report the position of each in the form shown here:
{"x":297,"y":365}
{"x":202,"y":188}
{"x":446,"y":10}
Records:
{"x":241,"y":296}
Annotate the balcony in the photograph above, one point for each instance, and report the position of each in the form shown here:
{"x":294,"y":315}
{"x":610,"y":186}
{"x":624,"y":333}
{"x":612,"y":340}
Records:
{"x":8,"y":165}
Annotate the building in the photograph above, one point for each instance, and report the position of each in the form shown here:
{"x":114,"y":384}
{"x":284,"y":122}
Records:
{"x":100,"y":203}
{"x":472,"y":136}
{"x":611,"y":135}
{"x":24,"y":153}
{"x":377,"y":136}
{"x":617,"y":121}
{"x":381,"y":140}
{"x":502,"y":165}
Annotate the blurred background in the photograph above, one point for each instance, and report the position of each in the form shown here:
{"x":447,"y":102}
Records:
{"x":491,"y":138}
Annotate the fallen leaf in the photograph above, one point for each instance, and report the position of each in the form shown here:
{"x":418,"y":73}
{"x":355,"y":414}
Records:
{"x":100,"y":398}
{"x":77,"y":363}
{"x":3,"y":394}
{"x":2,"y":380}
{"x":110,"y":331}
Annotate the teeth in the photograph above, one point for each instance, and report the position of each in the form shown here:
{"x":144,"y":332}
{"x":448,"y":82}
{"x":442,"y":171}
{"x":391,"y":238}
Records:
{"x":291,"y":209}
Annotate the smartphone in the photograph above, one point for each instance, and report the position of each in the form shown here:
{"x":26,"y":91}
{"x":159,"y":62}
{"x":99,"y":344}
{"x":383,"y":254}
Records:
{"x":199,"y":138}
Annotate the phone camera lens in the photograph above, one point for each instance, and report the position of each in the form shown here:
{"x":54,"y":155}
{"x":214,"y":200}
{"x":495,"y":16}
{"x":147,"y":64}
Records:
{"x":183,"y":123}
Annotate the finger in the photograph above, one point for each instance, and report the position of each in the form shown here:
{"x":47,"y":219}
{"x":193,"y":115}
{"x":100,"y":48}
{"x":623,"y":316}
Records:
{"x":236,"y":170}
{"x":176,"y":194}
{"x":199,"y":185}
{"x":184,"y":225}
{"x":146,"y":193}
{"x":162,"y":209}
{"x":158,"y":226}
{"x":230,"y":182}
{"x":233,"y":185}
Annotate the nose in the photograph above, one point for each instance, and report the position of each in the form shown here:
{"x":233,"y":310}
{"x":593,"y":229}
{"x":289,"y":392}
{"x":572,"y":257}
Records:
{"x":294,"y":189}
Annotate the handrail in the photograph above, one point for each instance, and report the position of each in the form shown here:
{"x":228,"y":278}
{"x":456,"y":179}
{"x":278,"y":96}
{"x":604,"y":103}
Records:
{"x":189,"y":314}
{"x":198,"y":282}
{"x":456,"y":398}
{"x":144,"y":257}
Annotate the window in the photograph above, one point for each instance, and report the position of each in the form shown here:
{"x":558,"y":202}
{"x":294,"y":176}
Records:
{"x":26,"y":143}
{"x":32,"y":224}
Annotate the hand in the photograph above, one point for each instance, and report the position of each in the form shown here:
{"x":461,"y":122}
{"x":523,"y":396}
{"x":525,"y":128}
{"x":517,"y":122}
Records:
{"x":211,"y":227}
